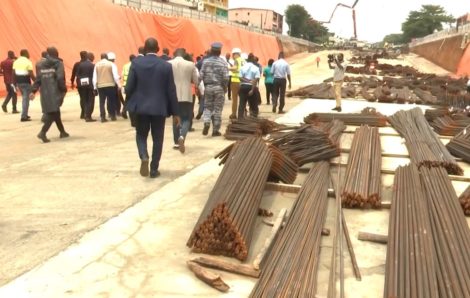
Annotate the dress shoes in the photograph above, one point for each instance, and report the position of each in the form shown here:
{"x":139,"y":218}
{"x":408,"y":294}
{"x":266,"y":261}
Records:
{"x":144,"y":168}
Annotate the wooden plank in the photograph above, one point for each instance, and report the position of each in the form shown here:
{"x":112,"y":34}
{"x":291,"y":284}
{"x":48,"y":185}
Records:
{"x":217,"y":263}
{"x":268,"y":242}
{"x":208,"y":277}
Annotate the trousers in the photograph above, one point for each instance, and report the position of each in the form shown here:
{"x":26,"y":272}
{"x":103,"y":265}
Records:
{"x":11,"y":95}
{"x":87,"y":101}
{"x":235,"y":88}
{"x":185,"y":112}
{"x":50,"y":118}
{"x":279,"y":92}
{"x":108,"y":95}
{"x":338,"y":85}
{"x":214,"y":98}
{"x":269,"y":91}
{"x":245,"y":98}
{"x":155,"y":125}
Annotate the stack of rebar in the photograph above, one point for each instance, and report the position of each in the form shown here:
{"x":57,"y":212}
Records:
{"x":449,"y":125}
{"x":283,"y":168}
{"x":310,"y":143}
{"x":422,"y":142}
{"x":362,"y":186}
{"x":459,"y":145}
{"x":226,"y":224}
{"x":450,"y":233}
{"x":410,"y":269}
{"x":239,"y":129}
{"x":292,"y":265}
{"x":464,"y":200}
{"x":431,"y":114}
{"x":357,"y":119}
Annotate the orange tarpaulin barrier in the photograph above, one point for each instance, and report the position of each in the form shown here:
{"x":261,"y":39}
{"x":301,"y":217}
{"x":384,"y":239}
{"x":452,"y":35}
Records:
{"x":464,"y":65}
{"x":100,"y":26}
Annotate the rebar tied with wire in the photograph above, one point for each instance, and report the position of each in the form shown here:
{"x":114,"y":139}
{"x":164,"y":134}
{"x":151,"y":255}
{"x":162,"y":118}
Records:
{"x":423,"y":144}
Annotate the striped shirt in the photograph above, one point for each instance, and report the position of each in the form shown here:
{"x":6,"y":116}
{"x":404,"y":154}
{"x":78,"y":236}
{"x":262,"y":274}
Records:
{"x":214,"y":72}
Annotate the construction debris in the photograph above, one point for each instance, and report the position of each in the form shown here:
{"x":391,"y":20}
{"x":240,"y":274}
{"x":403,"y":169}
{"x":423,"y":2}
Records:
{"x":208,"y":277}
{"x":423,"y":144}
{"x":226,"y":224}
{"x":220,"y":264}
{"x":292,"y":265}
{"x":363,"y":186}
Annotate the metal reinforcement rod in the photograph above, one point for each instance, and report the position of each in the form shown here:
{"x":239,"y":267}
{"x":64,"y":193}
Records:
{"x":449,"y":125}
{"x":226,"y":224}
{"x":310,"y":143}
{"x":450,"y":233}
{"x":464,"y":200}
{"x":362,"y":186}
{"x":460,"y":145}
{"x":410,"y":269}
{"x":368,"y":116}
{"x":292,"y":266}
{"x":424,"y":146}
{"x":239,"y":129}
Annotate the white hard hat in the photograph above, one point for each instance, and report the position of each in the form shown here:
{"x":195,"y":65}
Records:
{"x":111,"y":56}
{"x":236,"y":50}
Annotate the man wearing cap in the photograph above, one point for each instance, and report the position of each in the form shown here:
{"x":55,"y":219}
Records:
{"x":214,"y":74}
{"x":6,"y":69}
{"x":235,"y":80}
{"x":280,"y":71}
{"x":106,"y":80}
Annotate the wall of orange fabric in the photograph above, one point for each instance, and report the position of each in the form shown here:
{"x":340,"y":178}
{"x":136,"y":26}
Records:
{"x":100,"y":26}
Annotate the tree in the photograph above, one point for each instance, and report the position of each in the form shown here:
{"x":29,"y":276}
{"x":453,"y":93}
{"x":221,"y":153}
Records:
{"x":296,"y":18}
{"x":302,"y":25}
{"x":425,"y":21}
{"x":396,"y":38}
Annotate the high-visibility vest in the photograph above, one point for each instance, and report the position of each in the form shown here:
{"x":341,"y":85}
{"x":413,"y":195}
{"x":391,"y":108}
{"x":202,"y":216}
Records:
{"x":236,"y":73}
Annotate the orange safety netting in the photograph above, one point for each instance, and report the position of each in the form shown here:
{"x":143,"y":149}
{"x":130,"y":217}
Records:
{"x":464,"y":65}
{"x":100,"y":26}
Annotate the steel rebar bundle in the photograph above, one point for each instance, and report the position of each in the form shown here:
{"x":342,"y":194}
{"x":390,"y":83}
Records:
{"x":459,"y":145}
{"x":310,"y":143}
{"x":226,"y":224}
{"x":450,"y":233}
{"x":410,"y":269}
{"x":465,"y":201}
{"x":239,"y":129}
{"x":292,"y":265}
{"x":363,"y":185}
{"x":449,"y":125}
{"x":283,"y":168}
{"x":422,"y":142}
{"x":366,"y":117}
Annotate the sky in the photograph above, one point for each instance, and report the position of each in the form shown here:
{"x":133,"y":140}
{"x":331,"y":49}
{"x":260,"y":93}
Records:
{"x":374,"y":18}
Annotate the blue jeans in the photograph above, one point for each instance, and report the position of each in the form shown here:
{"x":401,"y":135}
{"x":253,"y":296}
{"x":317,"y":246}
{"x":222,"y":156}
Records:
{"x":145,"y":124}
{"x":185,"y":112}
{"x":25,"y":92}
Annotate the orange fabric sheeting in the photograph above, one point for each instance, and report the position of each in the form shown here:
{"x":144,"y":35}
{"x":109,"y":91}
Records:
{"x":100,"y":26}
{"x":464,"y":65}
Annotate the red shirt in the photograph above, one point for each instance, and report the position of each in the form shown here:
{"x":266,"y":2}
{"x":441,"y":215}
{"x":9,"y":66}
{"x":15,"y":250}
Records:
{"x":7,"y":69}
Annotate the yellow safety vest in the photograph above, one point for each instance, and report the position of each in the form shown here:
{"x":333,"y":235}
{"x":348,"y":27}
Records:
{"x":236,"y":73}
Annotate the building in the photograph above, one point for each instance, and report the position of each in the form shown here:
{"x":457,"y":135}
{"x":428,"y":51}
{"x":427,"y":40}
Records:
{"x":218,"y":8}
{"x":463,"y":20}
{"x":264,"y":19}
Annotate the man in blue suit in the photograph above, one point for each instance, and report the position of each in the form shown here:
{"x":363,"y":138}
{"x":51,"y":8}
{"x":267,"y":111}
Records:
{"x":152,"y":97}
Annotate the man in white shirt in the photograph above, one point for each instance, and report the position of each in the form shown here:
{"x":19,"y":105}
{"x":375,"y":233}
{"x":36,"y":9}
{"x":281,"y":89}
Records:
{"x":249,"y":77}
{"x":339,"y":66}
{"x":468,"y":86}
{"x":184,"y":74}
{"x":106,"y":80}
{"x":280,"y":71}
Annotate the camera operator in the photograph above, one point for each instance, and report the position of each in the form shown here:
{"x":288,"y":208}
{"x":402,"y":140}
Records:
{"x":337,"y":63}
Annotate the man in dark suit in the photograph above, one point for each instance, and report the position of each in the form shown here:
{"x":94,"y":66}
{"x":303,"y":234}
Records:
{"x":152,"y":96}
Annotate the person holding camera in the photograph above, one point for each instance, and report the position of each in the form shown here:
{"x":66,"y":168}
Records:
{"x":337,"y":63}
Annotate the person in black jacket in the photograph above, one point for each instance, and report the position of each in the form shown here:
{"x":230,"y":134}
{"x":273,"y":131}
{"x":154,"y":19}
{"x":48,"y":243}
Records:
{"x":83,"y":57}
{"x":84,"y":74}
{"x":51,"y":81}
{"x":152,"y":97}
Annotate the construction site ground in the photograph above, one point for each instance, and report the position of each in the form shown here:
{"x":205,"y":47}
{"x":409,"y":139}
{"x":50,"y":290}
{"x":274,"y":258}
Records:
{"x":77,"y":220}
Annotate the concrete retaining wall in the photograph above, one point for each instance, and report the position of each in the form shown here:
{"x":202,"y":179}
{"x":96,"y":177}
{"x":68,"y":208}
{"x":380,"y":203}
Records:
{"x":445,"y":52}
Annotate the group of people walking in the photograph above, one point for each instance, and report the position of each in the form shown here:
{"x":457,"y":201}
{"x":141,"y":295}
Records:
{"x":149,"y":89}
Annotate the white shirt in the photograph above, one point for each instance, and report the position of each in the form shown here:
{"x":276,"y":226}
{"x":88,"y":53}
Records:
{"x":468,"y":83}
{"x":338,"y":74}
{"x":114,"y":69}
{"x":280,"y":69}
{"x":249,"y":71}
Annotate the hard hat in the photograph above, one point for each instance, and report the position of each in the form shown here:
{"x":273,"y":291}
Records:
{"x":111,"y":56}
{"x":236,"y":51}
